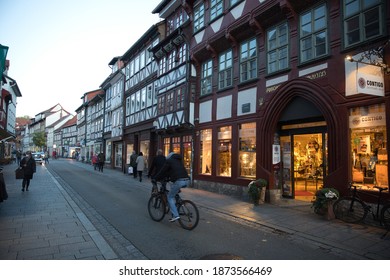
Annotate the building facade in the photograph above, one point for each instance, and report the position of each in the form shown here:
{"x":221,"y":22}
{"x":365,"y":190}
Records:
{"x":277,"y":98}
{"x":140,"y":95}
{"x":113,"y":87}
{"x":175,"y":84}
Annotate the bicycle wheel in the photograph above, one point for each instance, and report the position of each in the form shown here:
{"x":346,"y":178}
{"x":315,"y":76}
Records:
{"x":349,"y":210}
{"x":156,"y":208}
{"x":385,"y":216}
{"x":189,"y":214}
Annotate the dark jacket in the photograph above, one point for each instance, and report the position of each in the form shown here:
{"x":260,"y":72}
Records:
{"x":172,"y":169}
{"x":29,"y":167}
{"x":157,"y":164}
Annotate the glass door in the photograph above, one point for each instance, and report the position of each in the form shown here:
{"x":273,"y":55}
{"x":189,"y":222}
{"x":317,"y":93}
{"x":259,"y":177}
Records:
{"x":304,"y":164}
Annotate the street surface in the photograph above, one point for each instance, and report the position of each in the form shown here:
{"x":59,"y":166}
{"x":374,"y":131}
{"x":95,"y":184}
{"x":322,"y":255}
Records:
{"x":121,"y":201}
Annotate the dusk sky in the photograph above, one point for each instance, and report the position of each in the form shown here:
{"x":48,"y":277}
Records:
{"x":59,"y":50}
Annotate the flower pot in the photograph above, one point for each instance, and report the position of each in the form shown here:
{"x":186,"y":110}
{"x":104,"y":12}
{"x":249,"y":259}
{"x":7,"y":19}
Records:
{"x":329,"y":213}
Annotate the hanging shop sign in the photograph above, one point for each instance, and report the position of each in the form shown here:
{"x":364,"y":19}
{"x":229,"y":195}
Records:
{"x":363,"y":78}
{"x":370,"y":84}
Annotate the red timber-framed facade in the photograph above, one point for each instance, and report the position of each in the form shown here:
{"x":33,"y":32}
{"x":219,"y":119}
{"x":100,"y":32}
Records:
{"x":175,"y":84}
{"x":276,"y":97}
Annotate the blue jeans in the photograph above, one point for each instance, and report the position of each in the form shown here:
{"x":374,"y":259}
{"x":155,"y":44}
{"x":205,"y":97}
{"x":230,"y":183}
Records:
{"x":175,"y":187}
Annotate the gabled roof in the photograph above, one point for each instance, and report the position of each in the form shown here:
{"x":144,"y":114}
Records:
{"x":72,"y":121}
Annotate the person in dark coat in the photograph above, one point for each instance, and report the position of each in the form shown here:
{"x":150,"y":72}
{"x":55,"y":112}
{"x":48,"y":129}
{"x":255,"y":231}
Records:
{"x":29,"y":168}
{"x":133,"y":163}
{"x":177,"y":174}
{"x":157,"y":164}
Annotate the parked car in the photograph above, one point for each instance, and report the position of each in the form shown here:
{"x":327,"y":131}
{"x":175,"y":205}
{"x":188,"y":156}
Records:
{"x":38,"y":157}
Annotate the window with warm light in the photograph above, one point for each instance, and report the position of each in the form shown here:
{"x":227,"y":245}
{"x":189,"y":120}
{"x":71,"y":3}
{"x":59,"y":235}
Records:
{"x":205,"y":151}
{"x":247,"y":150}
{"x":224,"y":153}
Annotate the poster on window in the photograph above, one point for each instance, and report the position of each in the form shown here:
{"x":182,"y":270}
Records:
{"x":363,"y":145}
{"x":381,"y":175}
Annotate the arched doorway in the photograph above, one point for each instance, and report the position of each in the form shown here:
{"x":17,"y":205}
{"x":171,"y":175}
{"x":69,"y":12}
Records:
{"x":303,"y":140}
{"x":303,"y":115}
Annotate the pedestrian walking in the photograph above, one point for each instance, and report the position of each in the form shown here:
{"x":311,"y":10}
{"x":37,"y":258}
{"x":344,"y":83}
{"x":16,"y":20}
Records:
{"x":29,"y":168}
{"x":18,"y":157}
{"x":101,"y":161}
{"x":140,"y":165}
{"x":47,"y":157}
{"x":95,"y":161}
{"x":155,"y":167}
{"x":133,"y":163}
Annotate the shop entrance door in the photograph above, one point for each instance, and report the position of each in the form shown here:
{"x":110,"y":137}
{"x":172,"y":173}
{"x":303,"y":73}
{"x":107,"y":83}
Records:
{"x":304,"y":158}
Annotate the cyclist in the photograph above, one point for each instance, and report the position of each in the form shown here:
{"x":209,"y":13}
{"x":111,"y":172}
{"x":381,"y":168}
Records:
{"x":173,"y":169}
{"x":157,"y":164}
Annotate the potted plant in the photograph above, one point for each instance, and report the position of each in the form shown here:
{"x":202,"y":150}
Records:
{"x":256,"y":190}
{"x":323,"y":202}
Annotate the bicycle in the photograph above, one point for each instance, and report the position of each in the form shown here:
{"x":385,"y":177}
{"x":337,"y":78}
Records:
{"x":158,"y":206}
{"x":352,"y":209}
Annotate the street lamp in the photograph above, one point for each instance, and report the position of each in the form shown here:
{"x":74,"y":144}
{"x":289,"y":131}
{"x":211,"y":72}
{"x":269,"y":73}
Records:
{"x":3,"y":55}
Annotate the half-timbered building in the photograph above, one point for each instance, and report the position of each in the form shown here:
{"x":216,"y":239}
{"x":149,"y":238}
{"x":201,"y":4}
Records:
{"x":277,"y":99}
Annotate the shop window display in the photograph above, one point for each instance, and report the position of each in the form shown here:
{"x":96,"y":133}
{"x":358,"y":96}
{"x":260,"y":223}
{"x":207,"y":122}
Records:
{"x":224,"y":153}
{"x":205,"y":151}
{"x":247,"y":150}
{"x":368,"y":146}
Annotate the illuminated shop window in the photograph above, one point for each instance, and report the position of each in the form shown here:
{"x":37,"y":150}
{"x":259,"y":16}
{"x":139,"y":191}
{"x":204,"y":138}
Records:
{"x":368,"y":146}
{"x":247,"y":150}
{"x":205,"y":151}
{"x":224,"y":153}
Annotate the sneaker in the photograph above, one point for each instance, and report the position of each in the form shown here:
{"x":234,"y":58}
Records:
{"x":173,"y":219}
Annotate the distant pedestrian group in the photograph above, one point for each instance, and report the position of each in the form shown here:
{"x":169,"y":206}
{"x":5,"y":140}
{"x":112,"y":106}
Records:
{"x":98,"y":161}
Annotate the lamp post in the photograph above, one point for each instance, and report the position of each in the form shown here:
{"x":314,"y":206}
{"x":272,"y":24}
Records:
{"x":3,"y":55}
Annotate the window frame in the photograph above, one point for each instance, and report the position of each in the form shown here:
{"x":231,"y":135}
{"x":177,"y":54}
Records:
{"x":225,"y":79}
{"x":313,"y":34}
{"x":359,"y":14}
{"x":199,"y":17}
{"x":278,"y":49}
{"x":216,"y":9}
{"x":206,"y":77}
{"x":247,"y":71}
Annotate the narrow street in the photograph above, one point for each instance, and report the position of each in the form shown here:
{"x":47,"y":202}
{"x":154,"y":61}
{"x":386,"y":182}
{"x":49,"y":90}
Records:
{"x":121,"y":201}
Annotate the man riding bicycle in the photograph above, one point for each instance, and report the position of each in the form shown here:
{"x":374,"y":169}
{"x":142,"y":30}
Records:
{"x":174,"y":171}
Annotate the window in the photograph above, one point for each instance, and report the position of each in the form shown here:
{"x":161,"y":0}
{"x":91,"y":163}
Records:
{"x":205,"y":151}
{"x":216,"y":8}
{"x":198,"y":17}
{"x":369,"y":146}
{"x":206,"y":80}
{"x":176,"y":145}
{"x":182,"y":53}
{"x":171,"y":60}
{"x":247,"y":150}
{"x":224,"y":153}
{"x":180,"y":99}
{"x":169,"y":102}
{"x":163,"y":65}
{"x":313,"y":34}
{"x":277,"y":40}
{"x":161,"y":104}
{"x":167,"y":145}
{"x":362,"y":20}
{"x":225,"y":70}
{"x":248,"y":60}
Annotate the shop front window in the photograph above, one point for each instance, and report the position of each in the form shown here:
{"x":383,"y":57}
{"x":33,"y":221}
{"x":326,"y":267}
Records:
{"x":205,"y":151}
{"x":167,"y":146}
{"x":176,"y":145}
{"x":368,"y":146}
{"x":118,"y":155}
{"x":247,"y":150}
{"x":187,"y":153}
{"x":224,"y":153}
